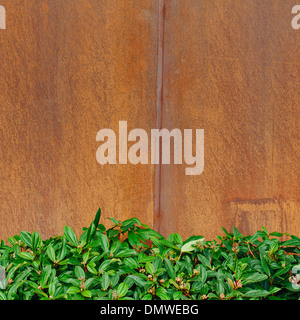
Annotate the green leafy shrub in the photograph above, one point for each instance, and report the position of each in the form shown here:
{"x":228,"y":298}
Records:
{"x":131,"y":261}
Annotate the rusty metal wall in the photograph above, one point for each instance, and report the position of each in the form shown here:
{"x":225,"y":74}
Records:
{"x":70,"y":68}
{"x":232,"y":68}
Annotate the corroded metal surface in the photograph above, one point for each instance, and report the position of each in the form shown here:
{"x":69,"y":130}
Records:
{"x":70,"y":68}
{"x":232,"y":68}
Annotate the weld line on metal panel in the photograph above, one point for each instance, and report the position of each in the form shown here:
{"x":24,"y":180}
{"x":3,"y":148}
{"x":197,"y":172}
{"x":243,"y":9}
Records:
{"x":159,"y":105}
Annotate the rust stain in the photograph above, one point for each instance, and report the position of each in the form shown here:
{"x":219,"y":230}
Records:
{"x":275,"y":214}
{"x":254,"y":201}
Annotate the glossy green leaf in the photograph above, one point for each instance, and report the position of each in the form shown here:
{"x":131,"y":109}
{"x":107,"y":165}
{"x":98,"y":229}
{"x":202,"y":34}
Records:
{"x":51,"y":253}
{"x":26,"y":238}
{"x":191,"y":245}
{"x":79,"y":273}
{"x":26,"y":255}
{"x":86,"y":293}
{"x":70,"y":235}
{"x":122,"y":289}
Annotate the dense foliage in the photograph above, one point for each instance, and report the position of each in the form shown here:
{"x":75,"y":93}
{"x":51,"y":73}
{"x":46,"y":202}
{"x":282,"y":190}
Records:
{"x":132,"y":261}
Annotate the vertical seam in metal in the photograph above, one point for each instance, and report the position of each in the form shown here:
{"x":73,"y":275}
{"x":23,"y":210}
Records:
{"x":159,"y":105}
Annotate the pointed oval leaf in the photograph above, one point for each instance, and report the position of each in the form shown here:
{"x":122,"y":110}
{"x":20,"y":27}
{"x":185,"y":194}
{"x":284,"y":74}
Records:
{"x":70,"y":235}
{"x":51,"y":253}
{"x":122,"y":289}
